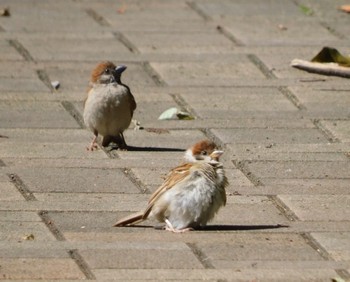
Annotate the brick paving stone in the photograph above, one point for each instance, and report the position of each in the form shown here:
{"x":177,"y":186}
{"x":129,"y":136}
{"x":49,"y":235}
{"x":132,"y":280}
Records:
{"x":49,"y":150}
{"x":209,"y":74}
{"x":76,"y":180}
{"x":20,"y":231}
{"x":43,"y":135}
{"x":39,"y":268}
{"x":93,"y":201}
{"x":336,"y":244}
{"x":219,"y":274}
{"x":318,"y":101}
{"x":73,"y":49}
{"x":68,"y":17}
{"x":318,"y":207}
{"x":8,"y":192}
{"x":8,"y":52}
{"x":38,"y":114}
{"x":281,"y":247}
{"x":300,"y":169}
{"x":19,"y":216}
{"x":268,"y":136}
{"x":243,"y":9}
{"x":168,"y":16}
{"x":229,"y":103}
{"x":339,"y":128}
{"x":197,"y":43}
{"x":143,"y":256}
{"x":22,"y":84}
{"x":153,"y":141}
{"x":249,"y":211}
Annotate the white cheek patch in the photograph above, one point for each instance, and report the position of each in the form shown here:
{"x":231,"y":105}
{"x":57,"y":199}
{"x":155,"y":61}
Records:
{"x":189,"y":156}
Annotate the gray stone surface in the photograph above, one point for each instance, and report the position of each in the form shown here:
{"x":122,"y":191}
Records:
{"x":284,"y":133}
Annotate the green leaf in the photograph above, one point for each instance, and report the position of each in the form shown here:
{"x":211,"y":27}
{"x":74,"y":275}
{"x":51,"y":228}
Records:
{"x":184,"y":115}
{"x":306,"y":10}
{"x":169,"y":114}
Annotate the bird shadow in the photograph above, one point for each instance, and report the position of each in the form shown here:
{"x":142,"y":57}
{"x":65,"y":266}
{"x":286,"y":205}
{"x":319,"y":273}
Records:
{"x":241,"y":227}
{"x":149,"y":149}
{"x":224,"y":227}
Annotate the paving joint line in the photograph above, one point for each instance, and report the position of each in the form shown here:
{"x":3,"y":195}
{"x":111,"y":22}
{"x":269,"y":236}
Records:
{"x":242,"y":166}
{"x":138,"y":183}
{"x":153,"y":74}
{"x":51,"y":225}
{"x":83,"y":266}
{"x":21,"y":50}
{"x":126,"y":42}
{"x":283,"y":208}
{"x":313,"y":243}
{"x":211,"y":136}
{"x":202,"y":257}
{"x":261,"y":66}
{"x":184,"y":105}
{"x":291,"y":97}
{"x":21,"y":187}
{"x":331,"y":30}
{"x":97,"y":17}
{"x":198,"y":10}
{"x":222,"y":30}
{"x":70,"y":108}
{"x":44,"y":77}
{"x":327,"y":133}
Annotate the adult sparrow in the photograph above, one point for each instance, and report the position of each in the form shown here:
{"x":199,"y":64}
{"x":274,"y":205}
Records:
{"x":109,"y":107}
{"x":191,"y":194}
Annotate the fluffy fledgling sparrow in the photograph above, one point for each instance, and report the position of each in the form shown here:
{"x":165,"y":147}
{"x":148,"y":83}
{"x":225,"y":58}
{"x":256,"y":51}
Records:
{"x":109,"y":107}
{"x":191,"y":194}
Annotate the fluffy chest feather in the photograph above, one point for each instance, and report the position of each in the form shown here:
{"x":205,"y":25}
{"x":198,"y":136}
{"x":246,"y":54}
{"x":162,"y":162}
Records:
{"x":108,"y":109}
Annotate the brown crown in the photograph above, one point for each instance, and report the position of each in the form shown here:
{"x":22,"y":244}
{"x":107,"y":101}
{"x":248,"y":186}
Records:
{"x":204,"y":145}
{"x":99,"y":69}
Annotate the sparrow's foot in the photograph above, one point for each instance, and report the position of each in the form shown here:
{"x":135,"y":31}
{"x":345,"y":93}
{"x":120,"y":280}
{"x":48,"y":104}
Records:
{"x":93,"y":145}
{"x":170,"y":227}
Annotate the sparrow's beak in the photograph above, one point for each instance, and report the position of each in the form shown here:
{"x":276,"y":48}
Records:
{"x":216,"y":154}
{"x":119,"y":69}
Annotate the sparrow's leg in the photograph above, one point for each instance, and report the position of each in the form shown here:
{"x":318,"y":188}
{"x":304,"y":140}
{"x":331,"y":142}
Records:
{"x":170,"y":227}
{"x":121,"y":142}
{"x":93,"y":145}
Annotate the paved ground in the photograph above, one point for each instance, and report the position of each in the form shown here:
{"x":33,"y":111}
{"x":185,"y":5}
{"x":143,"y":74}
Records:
{"x":286,"y":134}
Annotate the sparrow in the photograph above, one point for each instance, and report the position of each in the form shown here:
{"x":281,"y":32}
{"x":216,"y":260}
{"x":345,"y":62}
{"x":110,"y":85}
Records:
{"x":191,"y":194}
{"x":109,"y":107}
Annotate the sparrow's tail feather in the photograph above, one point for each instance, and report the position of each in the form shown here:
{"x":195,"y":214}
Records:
{"x":131,"y":219}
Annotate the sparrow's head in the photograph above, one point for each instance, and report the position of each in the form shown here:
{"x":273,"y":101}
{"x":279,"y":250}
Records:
{"x":107,"y":72}
{"x":203,"y":150}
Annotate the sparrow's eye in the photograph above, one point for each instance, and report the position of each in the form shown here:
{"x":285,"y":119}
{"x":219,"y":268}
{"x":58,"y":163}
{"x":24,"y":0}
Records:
{"x":107,"y":71}
{"x":204,"y":153}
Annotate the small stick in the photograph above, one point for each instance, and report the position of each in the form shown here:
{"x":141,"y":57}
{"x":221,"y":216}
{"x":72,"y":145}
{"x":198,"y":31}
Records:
{"x":321,"y":68}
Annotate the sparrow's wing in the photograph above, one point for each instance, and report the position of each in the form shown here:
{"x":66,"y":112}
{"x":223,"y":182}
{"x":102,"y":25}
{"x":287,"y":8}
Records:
{"x":175,"y":176}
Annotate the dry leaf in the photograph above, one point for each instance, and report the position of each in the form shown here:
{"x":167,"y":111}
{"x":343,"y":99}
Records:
{"x":157,"y":130}
{"x":5,"y":12}
{"x":28,"y":237}
{"x":345,"y":8}
{"x":282,"y":27}
{"x":122,"y":9}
